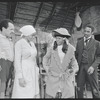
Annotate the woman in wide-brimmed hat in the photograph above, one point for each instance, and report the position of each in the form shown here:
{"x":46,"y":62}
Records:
{"x":26,"y":71}
{"x":61,"y":66}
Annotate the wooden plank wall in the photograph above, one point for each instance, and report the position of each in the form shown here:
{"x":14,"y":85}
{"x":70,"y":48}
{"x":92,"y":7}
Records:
{"x":28,"y":13}
{"x":3,"y":10}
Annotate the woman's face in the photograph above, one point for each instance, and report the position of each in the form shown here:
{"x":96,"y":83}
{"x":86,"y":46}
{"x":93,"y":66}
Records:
{"x":31,"y":37}
{"x":59,"y":40}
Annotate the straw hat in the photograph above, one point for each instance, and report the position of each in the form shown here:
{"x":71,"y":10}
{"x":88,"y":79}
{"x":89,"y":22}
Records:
{"x":61,"y":32}
{"x":27,"y":30}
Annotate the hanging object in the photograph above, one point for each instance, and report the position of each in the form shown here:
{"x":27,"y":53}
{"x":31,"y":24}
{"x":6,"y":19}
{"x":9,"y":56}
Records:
{"x":78,"y":20}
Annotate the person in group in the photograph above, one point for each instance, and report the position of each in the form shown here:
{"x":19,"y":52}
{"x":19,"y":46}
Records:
{"x":26,"y":70}
{"x":6,"y":53}
{"x":88,"y":58}
{"x":15,"y":37}
{"x":60,"y":65}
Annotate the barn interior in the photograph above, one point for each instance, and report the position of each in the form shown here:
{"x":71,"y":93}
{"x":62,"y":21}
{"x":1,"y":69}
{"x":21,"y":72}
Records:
{"x":47,"y":16}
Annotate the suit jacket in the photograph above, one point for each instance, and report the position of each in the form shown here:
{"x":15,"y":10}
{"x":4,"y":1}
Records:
{"x":93,"y":49}
{"x":58,"y":72}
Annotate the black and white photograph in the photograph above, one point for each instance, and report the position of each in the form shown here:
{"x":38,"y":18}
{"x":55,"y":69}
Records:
{"x":49,"y":49}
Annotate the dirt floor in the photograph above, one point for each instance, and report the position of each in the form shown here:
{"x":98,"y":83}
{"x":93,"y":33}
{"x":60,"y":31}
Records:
{"x":87,"y":94}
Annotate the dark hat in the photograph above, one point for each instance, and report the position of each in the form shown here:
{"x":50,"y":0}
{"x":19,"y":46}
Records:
{"x":63,"y":32}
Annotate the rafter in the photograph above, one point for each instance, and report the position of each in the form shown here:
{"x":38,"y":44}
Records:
{"x":51,"y":14}
{"x":8,"y":9}
{"x":11,"y":10}
{"x":39,"y":11}
{"x":63,"y":21}
{"x":84,"y":9}
{"x":70,"y":6}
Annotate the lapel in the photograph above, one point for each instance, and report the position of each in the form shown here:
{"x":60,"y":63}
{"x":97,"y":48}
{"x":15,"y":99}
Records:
{"x":27,"y":43}
{"x":65,"y":61}
{"x":67,"y":58}
{"x":81,"y":45}
{"x":91,"y":42}
{"x":57,"y":59}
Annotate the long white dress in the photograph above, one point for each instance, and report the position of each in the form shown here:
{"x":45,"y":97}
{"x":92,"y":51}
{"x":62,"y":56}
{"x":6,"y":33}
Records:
{"x":26,"y":67}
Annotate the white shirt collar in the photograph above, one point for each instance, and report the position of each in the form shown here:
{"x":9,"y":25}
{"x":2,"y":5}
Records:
{"x":2,"y":35}
{"x":87,"y":38}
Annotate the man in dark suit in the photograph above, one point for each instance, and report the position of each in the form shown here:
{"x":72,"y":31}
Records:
{"x":88,"y":58}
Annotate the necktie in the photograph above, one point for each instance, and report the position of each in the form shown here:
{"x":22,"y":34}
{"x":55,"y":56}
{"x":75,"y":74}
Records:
{"x":86,"y":41}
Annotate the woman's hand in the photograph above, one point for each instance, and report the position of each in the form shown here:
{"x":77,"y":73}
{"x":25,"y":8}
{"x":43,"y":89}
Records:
{"x":22,"y":82}
{"x":69,"y":72}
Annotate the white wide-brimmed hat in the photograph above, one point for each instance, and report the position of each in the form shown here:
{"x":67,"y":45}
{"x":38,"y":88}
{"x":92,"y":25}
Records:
{"x":61,"y":32}
{"x":27,"y":30}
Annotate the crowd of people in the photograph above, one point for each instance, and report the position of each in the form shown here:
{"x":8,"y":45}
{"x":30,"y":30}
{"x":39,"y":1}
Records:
{"x":64,"y":64}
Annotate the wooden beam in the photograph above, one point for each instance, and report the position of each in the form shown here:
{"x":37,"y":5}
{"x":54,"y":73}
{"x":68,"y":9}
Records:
{"x":73,"y":5}
{"x":84,"y":9}
{"x":11,"y":10}
{"x":63,"y":21}
{"x":70,"y":6}
{"x":8,"y":9}
{"x":51,"y":14}
{"x":39,"y":11}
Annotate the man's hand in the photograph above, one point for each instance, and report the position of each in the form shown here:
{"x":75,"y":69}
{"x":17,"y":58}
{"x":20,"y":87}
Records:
{"x":90,"y":70}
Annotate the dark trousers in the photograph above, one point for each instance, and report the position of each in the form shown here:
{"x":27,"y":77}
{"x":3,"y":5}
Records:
{"x":5,"y":73}
{"x":82,"y":76}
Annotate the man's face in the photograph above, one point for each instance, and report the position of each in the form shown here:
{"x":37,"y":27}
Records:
{"x":87,"y":32}
{"x":9,"y":31}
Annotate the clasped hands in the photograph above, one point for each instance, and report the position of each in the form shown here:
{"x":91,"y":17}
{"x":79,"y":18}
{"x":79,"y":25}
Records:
{"x":66,"y":74}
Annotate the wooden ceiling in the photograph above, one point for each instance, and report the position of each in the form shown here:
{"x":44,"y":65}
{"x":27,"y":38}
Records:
{"x":47,"y":15}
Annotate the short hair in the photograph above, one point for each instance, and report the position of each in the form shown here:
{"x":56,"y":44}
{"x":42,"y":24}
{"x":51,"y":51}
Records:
{"x":4,"y":23}
{"x":90,"y":26}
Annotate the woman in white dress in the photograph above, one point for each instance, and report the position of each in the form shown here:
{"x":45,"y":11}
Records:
{"x":26,"y":82}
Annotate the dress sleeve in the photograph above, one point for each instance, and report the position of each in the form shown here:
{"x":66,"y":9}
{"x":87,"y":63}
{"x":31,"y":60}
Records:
{"x":18,"y":67}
